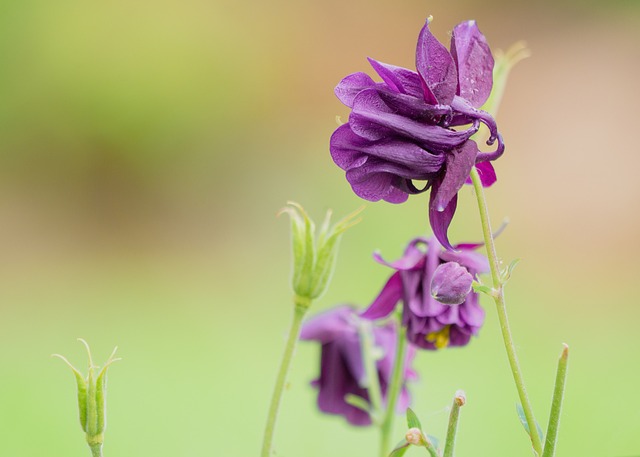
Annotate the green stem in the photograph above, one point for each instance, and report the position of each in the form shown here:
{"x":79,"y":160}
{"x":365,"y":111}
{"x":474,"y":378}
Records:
{"x":96,"y":450}
{"x":393,"y":392}
{"x":556,"y":404}
{"x":294,"y":332}
{"x":498,"y":295}
{"x":458,"y":401}
{"x":371,"y":369}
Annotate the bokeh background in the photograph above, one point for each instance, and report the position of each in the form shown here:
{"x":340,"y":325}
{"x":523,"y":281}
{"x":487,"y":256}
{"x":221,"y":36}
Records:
{"x":146,"y":147}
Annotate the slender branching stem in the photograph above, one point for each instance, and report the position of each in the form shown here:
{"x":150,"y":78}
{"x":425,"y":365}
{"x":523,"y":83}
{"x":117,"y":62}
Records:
{"x":498,"y":295}
{"x":386,"y":428}
{"x":294,"y":332}
{"x":556,"y":405}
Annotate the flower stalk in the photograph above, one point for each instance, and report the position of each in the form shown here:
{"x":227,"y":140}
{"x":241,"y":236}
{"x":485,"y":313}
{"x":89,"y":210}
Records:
{"x":458,"y":401}
{"x":556,"y":404}
{"x":285,"y":363}
{"x":498,"y":296}
{"x":386,"y":428}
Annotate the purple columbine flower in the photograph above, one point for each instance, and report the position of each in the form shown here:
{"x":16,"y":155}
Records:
{"x":416,"y":126}
{"x":430,"y":324}
{"x":342,"y":370}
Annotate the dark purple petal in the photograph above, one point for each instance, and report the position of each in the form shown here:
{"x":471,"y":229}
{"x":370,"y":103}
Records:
{"x":348,"y":88}
{"x":350,"y":349}
{"x":459,"y":162}
{"x":346,"y":148}
{"x":398,"y":79}
{"x":474,"y":62}
{"x":372,"y":119}
{"x":440,"y":220}
{"x":458,"y":337}
{"x":374,"y":180}
{"x":451,"y":283}
{"x":386,"y":300}
{"x":436,"y":67}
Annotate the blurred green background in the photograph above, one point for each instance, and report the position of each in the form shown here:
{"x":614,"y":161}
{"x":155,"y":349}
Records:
{"x":145,"y":148}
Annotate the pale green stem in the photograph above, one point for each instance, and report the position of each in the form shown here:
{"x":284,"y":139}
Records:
{"x":371,"y":369}
{"x":294,"y":332}
{"x":453,"y":427}
{"x":498,"y":295}
{"x":393,"y":392}
{"x":556,"y":405}
{"x":96,"y":450}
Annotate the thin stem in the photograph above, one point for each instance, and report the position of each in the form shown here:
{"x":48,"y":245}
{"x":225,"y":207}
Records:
{"x":96,"y":450}
{"x":498,"y":296}
{"x":370,"y":366}
{"x":556,"y":404}
{"x":392,"y":394}
{"x":294,"y":332}
{"x":458,"y":401}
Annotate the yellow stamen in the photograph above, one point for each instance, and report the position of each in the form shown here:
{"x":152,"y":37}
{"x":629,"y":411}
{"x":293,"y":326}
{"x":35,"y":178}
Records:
{"x":440,"y":338}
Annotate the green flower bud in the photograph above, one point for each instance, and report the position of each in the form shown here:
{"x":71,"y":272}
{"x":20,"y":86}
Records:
{"x":92,"y":399}
{"x":314,"y":257}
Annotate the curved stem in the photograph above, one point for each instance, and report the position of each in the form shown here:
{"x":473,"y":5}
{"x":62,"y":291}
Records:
{"x":294,"y":332}
{"x":393,"y":392}
{"x":498,"y":295}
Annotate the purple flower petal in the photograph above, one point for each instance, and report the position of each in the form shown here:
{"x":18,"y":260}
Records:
{"x":326,"y":326}
{"x":386,"y":300}
{"x":487,"y":174}
{"x":471,"y":312}
{"x":475,"y":262}
{"x":410,"y":259}
{"x":459,"y":163}
{"x":474,"y":62}
{"x":346,"y":147}
{"x":440,"y":220}
{"x":436,"y":67}
{"x":372,"y":119}
{"x":351,"y":85}
{"x":451,"y":283}
{"x":398,"y":79}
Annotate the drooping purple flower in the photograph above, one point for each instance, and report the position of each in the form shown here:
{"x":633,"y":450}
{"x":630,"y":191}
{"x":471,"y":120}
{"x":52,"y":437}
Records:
{"x":342,"y":370}
{"x":430,"y":324}
{"x":416,"y":126}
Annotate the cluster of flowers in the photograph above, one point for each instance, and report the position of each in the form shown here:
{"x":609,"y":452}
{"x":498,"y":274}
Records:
{"x":413,"y":126}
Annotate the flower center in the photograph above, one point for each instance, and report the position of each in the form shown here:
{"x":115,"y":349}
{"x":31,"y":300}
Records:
{"x":440,"y":338}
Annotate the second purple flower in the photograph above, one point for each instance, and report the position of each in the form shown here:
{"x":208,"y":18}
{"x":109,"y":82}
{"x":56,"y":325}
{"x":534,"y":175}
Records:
{"x":432,"y":324}
{"x":409,"y":127}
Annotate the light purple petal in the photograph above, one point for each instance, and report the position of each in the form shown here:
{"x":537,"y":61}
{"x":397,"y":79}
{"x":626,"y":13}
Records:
{"x":386,"y":300}
{"x":348,"y":88}
{"x":410,"y":259}
{"x":487,"y":174}
{"x":474,"y":261}
{"x":474,"y":62}
{"x":459,"y":162}
{"x":471,"y":312}
{"x":440,"y":220}
{"x":436,"y":67}
{"x":351,"y":351}
{"x":451,"y":283}
{"x":327,"y":326}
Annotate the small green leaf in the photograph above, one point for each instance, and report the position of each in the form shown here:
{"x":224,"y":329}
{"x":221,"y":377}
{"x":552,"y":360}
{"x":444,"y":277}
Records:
{"x":400,"y":449}
{"x":481,"y":288}
{"x":412,"y":420}
{"x":506,"y":273}
{"x":357,"y":402}
{"x":523,"y":421}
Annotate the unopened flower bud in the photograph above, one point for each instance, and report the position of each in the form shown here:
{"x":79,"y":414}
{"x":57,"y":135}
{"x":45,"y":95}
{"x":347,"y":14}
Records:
{"x":414,"y":436}
{"x":92,"y":392}
{"x":314,"y":257}
{"x":451,"y":283}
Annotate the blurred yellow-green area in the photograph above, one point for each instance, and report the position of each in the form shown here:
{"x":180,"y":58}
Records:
{"x":146,"y":146}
